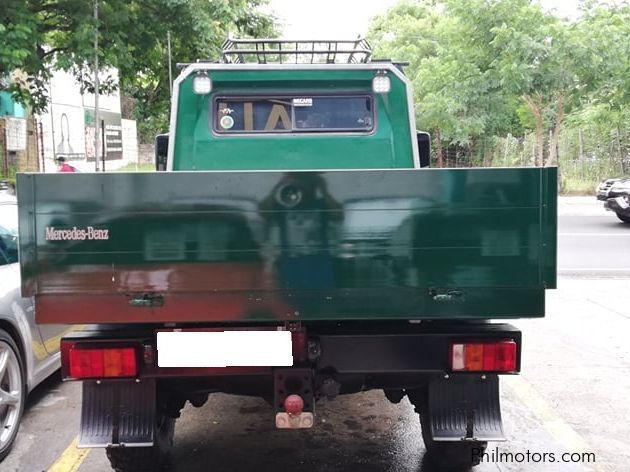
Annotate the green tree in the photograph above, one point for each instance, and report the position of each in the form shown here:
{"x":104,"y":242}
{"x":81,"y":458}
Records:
{"x":38,"y":36}
{"x":458,"y":93}
{"x":409,"y":32}
{"x":536,"y":58}
{"x":484,"y":68}
{"x":603,"y":34}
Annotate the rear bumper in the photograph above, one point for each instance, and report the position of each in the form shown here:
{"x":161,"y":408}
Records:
{"x":377,"y":350}
{"x":619,"y":204}
{"x":421,"y":350}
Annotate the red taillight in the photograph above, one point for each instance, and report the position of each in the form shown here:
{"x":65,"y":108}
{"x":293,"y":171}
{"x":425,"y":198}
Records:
{"x":109,"y":362}
{"x":486,"y":356}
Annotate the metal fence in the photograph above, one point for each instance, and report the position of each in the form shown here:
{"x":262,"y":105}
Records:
{"x":585,"y":154}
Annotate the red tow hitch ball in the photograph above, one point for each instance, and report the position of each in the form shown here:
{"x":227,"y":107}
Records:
{"x":294,"y":405}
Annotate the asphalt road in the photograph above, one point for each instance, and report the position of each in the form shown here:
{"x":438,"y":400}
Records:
{"x":591,"y":241}
{"x":572,"y":395}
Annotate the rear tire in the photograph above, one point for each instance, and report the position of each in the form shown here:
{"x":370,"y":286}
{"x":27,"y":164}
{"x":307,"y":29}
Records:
{"x":141,"y":459}
{"x":12,"y":392}
{"x":447,"y":456}
{"x":624,"y":218}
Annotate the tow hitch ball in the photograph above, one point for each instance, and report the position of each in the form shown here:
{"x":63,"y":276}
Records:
{"x":293,"y":398}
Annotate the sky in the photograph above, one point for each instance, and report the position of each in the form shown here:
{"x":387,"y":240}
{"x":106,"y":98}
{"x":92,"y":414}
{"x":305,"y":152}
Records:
{"x":347,"y":19}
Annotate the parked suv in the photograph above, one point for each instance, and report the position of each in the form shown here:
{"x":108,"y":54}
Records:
{"x":615,"y":193}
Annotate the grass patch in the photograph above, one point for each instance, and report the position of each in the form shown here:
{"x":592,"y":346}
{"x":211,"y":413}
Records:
{"x":136,"y":168}
{"x":8,"y":179}
{"x":577,"y":186}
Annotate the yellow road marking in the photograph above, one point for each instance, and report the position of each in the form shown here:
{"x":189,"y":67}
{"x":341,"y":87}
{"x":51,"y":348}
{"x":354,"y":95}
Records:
{"x":39,"y":350}
{"x":71,"y":459}
{"x":51,"y":345}
{"x":550,"y":420}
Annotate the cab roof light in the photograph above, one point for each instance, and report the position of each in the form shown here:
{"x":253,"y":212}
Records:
{"x":484,"y":356}
{"x":381,"y":83}
{"x":202,"y":84}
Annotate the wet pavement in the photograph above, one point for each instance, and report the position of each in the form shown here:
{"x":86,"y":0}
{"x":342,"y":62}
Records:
{"x":571,"y":397}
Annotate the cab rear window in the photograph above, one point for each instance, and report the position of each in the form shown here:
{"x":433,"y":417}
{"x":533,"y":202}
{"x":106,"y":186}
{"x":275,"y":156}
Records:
{"x":294,"y":114}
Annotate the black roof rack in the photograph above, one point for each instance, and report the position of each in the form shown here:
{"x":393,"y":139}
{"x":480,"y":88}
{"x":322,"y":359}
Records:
{"x":318,"y":51}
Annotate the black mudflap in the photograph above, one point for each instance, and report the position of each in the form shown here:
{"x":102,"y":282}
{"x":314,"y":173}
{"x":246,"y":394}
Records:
{"x":117,"y":413}
{"x":465,"y":408}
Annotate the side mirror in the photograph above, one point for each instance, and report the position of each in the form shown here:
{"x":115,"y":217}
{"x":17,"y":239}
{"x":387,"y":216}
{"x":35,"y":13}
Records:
{"x":424,"y":148}
{"x":161,"y":151}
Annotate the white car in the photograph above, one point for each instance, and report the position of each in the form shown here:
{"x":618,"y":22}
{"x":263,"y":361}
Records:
{"x":28,"y":352}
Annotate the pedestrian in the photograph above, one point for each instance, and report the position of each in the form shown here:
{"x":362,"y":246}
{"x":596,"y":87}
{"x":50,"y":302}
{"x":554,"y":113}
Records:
{"x":63,"y":166}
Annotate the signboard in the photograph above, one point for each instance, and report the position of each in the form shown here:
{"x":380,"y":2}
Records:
{"x":15,"y":134}
{"x":113,"y":134}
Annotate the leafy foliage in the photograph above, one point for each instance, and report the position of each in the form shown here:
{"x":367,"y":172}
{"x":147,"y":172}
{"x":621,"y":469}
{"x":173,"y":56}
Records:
{"x":38,"y":35}
{"x":495,"y":68}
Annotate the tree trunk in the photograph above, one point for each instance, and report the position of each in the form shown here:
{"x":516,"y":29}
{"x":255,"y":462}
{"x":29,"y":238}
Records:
{"x":555,"y":135}
{"x":127,"y":106}
{"x":438,"y":149}
{"x":536,"y":108}
{"x":487,"y":154}
{"x":505,"y":149}
{"x":619,"y":154}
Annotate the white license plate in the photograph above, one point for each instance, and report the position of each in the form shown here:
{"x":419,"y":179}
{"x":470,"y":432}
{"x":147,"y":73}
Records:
{"x":224,"y":348}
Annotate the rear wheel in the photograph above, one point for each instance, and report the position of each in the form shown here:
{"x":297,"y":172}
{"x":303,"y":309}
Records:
{"x":12,"y":392}
{"x":451,"y":456}
{"x":624,"y":218}
{"x":140,"y":459}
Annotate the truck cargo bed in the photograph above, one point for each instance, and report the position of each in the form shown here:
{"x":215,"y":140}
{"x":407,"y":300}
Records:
{"x":270,"y":246}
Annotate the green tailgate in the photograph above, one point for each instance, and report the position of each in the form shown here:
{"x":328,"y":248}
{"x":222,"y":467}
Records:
{"x":243,"y":246}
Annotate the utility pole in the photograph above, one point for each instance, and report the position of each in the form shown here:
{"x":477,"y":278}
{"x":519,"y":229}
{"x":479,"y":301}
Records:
{"x":103,"y":151}
{"x":96,"y":88}
{"x":52,"y":123}
{"x":170,"y":72}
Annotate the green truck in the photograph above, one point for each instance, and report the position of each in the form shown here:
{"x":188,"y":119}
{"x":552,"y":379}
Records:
{"x":293,"y":246}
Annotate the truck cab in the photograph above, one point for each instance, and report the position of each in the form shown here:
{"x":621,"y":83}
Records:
{"x":255,"y":111}
{"x":291,"y":246}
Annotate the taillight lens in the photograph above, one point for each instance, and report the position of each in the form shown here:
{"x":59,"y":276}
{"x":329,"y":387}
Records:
{"x":485,"y":356}
{"x":108,"y":362}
